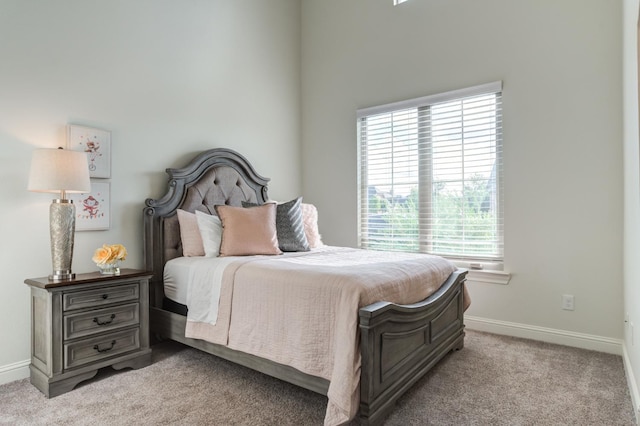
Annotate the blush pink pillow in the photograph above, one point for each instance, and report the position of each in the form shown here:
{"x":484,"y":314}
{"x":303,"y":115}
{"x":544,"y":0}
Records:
{"x":190,"y":234}
{"x":248,"y":232}
{"x":310,"y":219}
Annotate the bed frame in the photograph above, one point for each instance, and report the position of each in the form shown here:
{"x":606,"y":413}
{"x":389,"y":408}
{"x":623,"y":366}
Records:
{"x":398,"y":343}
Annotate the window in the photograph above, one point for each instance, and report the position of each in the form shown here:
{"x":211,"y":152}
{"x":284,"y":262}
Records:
{"x":397,"y":2}
{"x":430,"y":175}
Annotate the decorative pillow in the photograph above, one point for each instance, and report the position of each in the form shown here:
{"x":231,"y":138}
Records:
{"x":310,"y":218}
{"x":190,"y":234}
{"x":248,"y":231}
{"x":289,"y":225}
{"x":210,"y":229}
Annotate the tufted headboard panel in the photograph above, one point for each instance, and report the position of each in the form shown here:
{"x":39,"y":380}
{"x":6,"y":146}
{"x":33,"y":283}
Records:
{"x":214,"y":177}
{"x":220,"y":185}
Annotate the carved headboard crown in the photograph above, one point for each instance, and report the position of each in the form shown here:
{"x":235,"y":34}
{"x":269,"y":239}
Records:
{"x":213,"y":177}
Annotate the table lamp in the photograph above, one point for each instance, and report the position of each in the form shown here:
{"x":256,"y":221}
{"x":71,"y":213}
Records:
{"x":64,"y":171}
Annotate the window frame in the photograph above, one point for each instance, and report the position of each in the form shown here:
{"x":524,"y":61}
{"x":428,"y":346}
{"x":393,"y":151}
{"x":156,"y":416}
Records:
{"x":424,"y":186}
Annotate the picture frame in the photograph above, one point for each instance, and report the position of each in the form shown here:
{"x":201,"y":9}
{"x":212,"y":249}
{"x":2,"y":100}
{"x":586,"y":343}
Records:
{"x":96,"y":143}
{"x":93,"y":208}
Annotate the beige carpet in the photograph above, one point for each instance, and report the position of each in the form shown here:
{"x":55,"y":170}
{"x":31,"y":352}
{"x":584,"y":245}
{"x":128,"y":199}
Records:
{"x":494,"y":380}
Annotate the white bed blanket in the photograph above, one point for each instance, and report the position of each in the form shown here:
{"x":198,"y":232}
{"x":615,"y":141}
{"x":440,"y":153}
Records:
{"x":203,"y":288}
{"x":301,"y":310}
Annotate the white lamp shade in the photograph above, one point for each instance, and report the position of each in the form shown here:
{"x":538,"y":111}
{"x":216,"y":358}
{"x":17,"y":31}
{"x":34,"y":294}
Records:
{"x":55,"y":170}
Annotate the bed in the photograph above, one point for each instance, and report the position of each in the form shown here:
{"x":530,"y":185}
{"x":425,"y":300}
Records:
{"x":395,"y":344}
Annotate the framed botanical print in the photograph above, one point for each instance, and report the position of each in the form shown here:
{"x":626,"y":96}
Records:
{"x":93,"y":208}
{"x":96,"y":143}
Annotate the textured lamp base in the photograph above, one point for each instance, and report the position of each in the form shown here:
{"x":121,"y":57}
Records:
{"x":62,"y":225}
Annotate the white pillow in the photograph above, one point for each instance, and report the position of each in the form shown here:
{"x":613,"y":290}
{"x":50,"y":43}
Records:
{"x":211,"y":233}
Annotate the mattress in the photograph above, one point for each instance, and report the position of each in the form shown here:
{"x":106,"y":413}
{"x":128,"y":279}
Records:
{"x":176,"y":278}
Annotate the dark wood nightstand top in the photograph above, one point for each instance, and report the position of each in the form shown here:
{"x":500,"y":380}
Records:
{"x":91,"y":277}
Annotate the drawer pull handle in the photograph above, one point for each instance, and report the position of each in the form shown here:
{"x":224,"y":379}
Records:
{"x":105,"y":296}
{"x":109,"y":321}
{"x":97,"y":347}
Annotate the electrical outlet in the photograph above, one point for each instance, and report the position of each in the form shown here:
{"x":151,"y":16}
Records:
{"x":567,"y":302}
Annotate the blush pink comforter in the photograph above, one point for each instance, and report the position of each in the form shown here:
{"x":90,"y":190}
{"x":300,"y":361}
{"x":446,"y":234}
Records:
{"x":301,"y":310}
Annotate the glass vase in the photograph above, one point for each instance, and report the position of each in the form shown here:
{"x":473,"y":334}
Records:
{"x":109,"y":268}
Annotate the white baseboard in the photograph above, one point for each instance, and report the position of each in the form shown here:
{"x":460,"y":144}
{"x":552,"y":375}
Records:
{"x":15,"y":371}
{"x":20,"y":370}
{"x":631,"y":381}
{"x":550,"y":335}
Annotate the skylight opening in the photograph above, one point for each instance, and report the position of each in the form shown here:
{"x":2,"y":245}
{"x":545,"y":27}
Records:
{"x":397,"y":2}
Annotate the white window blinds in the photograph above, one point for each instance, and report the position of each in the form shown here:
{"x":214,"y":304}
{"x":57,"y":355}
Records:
{"x":431,"y":174}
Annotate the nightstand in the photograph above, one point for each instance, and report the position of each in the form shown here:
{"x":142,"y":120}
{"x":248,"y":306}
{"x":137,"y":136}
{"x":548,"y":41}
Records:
{"x":81,"y":325}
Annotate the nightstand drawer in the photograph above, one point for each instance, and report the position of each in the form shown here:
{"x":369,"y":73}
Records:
{"x":100,"y":320}
{"x":99,"y":296}
{"x":98,"y":348}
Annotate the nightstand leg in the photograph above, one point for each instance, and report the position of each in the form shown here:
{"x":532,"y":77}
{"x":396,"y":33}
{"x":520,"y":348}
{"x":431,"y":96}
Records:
{"x":51,"y":389}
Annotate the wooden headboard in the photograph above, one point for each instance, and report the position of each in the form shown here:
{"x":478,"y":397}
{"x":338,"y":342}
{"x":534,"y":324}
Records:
{"x":214,"y":177}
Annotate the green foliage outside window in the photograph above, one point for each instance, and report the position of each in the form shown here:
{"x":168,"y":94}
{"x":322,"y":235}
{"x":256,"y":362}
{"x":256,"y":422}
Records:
{"x":463,"y":222}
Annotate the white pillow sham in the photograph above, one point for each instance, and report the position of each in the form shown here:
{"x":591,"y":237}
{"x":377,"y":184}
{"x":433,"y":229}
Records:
{"x":211,"y":233}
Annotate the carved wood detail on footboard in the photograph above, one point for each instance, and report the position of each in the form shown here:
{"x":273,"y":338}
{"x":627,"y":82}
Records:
{"x":401,"y":343}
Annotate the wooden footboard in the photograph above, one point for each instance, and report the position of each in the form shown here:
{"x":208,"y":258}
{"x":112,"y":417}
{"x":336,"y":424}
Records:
{"x":401,"y":343}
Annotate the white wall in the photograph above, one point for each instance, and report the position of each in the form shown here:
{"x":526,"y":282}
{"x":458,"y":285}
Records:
{"x":168,"y":79}
{"x":560,"y":62}
{"x":631,"y":197}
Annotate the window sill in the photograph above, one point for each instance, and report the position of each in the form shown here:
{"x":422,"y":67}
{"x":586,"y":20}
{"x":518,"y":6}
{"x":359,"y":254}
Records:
{"x":484,"y":271}
{"x":491,"y":277}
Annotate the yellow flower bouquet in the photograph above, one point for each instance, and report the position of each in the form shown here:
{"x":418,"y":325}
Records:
{"x":108,"y":257}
